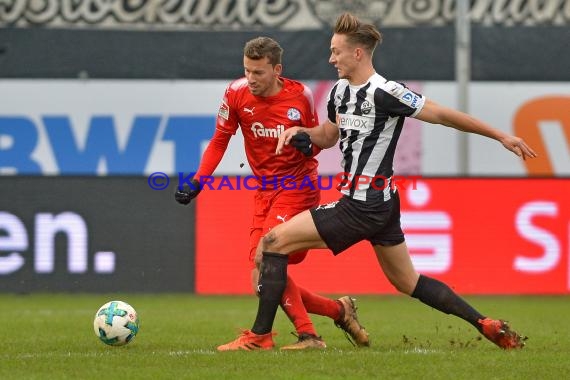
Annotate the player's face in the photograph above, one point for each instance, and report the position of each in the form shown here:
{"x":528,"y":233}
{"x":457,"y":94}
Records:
{"x":343,"y":56}
{"x":262,"y":77}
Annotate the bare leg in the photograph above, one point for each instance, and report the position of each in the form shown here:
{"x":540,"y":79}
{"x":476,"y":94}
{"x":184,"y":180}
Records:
{"x":398,"y":267}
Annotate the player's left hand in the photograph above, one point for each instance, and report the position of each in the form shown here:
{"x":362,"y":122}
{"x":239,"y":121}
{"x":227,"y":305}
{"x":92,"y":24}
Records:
{"x":187,"y":193}
{"x":519,"y":147}
{"x":302,"y":142}
{"x":285,"y":138}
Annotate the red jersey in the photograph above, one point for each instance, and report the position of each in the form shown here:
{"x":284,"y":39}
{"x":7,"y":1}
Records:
{"x":263,"y":119}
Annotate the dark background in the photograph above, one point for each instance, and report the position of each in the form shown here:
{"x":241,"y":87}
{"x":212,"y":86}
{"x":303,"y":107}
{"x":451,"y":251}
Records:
{"x":423,"y":53}
{"x":152,"y":235}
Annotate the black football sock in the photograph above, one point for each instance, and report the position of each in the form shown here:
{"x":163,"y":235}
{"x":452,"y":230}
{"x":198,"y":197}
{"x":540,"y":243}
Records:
{"x":272,"y":282}
{"x":439,"y":296}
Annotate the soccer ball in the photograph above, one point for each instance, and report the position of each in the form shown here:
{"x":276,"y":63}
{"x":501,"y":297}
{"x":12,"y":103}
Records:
{"x":116,"y":323}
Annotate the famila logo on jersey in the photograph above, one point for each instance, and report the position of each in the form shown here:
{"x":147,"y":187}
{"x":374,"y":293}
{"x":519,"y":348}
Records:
{"x":259,"y":130}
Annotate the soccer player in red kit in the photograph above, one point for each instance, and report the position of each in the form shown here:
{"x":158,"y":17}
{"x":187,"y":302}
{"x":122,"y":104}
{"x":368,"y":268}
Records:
{"x":264,"y":104}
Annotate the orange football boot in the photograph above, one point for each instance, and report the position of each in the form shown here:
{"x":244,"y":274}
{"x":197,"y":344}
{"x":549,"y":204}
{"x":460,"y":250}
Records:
{"x":249,"y":341}
{"x":499,"y":332}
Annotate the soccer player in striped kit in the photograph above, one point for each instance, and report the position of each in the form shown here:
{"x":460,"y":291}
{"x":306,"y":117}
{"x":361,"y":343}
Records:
{"x":366,"y":113}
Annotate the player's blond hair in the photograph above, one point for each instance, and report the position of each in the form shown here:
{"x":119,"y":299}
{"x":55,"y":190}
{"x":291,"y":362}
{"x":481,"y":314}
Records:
{"x":358,"y":32}
{"x":263,"y":47}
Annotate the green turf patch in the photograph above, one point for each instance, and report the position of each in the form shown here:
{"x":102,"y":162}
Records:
{"x":51,"y":337}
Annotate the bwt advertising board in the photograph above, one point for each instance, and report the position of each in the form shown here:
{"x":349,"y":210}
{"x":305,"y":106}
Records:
{"x":99,"y":127}
{"x":92,"y":234}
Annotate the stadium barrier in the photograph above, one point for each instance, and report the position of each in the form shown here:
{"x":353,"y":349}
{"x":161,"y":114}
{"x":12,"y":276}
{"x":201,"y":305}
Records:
{"x":479,"y":235}
{"x":93,"y":234}
{"x":114,"y":234}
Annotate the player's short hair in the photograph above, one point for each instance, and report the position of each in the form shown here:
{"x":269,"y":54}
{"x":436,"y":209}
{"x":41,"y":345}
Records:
{"x":263,"y":47}
{"x":358,"y":32}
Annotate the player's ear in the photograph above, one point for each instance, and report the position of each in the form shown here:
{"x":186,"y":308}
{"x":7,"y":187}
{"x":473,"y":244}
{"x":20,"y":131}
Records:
{"x":358,"y":53}
{"x":278,"y":69}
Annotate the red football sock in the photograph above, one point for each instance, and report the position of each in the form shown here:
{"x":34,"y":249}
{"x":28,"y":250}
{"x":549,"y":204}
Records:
{"x":316,"y":304}
{"x":292,"y":304}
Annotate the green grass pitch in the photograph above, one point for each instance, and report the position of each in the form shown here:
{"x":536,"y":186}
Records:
{"x":47,"y":336}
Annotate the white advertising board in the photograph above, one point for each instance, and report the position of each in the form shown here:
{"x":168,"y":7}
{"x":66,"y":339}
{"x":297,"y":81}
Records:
{"x":116,"y":127}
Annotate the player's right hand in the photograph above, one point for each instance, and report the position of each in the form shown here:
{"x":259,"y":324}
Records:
{"x":185,"y":194}
{"x":518,"y":146}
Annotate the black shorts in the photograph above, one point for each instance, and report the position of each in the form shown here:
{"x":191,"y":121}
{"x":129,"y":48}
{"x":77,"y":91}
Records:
{"x":345,"y":222}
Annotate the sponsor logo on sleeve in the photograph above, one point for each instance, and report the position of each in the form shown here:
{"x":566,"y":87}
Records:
{"x":403,"y":94}
{"x":410,"y":99}
{"x":224,"y":111}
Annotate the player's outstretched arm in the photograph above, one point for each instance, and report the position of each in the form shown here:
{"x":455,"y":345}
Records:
{"x":438,"y":114}
{"x":324,"y":136}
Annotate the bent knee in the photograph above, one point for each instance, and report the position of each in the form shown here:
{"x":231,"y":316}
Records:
{"x":271,"y":242}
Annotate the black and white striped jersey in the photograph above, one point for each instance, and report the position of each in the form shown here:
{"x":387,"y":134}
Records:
{"x":370,"y":118}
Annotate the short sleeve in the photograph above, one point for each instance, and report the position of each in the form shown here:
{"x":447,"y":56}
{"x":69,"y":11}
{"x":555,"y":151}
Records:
{"x":398,"y":100}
